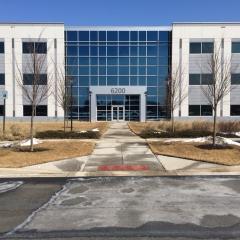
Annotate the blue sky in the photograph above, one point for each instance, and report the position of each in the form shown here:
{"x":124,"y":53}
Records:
{"x":119,"y":12}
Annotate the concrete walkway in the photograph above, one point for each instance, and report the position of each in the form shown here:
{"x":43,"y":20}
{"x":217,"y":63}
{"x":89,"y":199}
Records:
{"x":119,"y":146}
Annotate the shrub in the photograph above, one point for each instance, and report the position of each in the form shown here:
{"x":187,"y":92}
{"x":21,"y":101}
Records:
{"x":15,"y":130}
{"x":204,"y":126}
{"x":229,"y":127}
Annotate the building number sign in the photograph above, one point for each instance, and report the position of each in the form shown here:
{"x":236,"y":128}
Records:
{"x":118,"y":90}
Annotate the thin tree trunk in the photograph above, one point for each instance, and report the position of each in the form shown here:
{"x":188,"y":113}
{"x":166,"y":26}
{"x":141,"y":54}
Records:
{"x":64,"y":119}
{"x":214,"y":126}
{"x":173,"y":128}
{"x":31,"y":130}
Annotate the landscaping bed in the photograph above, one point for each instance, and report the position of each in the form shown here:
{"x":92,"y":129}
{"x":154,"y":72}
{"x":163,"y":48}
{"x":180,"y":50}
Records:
{"x":221,"y":154}
{"x":20,"y":156}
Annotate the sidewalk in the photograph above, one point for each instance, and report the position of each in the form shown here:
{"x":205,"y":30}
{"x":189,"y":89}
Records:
{"x":121,"y":153}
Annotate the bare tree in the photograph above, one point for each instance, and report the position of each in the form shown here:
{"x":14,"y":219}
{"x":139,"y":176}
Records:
{"x":176,"y":92}
{"x":219,"y":84}
{"x":63,"y":96}
{"x":35,"y":87}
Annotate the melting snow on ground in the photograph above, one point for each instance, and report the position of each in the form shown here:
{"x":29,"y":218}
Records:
{"x":27,"y":142}
{"x":219,"y":140}
{"x":95,"y":130}
{"x":8,"y":186}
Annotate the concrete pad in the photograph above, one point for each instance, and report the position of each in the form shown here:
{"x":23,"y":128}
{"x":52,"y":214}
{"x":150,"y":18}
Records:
{"x":104,"y":151}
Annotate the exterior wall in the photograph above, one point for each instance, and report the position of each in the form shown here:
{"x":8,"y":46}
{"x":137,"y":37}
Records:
{"x":13,"y":35}
{"x":194,"y":63}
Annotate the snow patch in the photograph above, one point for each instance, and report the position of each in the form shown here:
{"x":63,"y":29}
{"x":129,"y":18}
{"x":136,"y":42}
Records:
{"x":83,"y":131}
{"x":8,"y":186}
{"x":95,"y":130}
{"x":27,"y":142}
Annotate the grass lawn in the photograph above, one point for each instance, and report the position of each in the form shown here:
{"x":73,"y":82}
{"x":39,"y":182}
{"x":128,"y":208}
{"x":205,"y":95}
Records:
{"x":200,"y":152}
{"x":44,"y":152}
{"x":20,"y":130}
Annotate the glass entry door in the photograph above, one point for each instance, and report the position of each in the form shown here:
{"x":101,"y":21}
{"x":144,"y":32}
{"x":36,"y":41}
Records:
{"x":118,"y":113}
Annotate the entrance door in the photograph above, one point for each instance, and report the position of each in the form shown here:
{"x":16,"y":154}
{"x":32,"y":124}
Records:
{"x":118,"y":113}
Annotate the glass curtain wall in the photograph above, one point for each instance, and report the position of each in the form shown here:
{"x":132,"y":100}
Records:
{"x":118,"y":58}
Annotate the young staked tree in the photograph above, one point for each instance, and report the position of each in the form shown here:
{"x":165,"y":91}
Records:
{"x":176,"y":92}
{"x":219,"y":85}
{"x":35,"y":88}
{"x":63,"y":95}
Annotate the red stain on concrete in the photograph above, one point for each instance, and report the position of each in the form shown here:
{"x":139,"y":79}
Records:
{"x":123,"y":168}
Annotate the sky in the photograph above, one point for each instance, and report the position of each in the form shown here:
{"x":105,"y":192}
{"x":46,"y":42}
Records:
{"x":119,"y":12}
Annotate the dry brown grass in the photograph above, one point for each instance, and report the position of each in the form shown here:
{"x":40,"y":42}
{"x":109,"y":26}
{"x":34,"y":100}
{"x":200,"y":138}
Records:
{"x":45,"y":152}
{"x":20,"y":130}
{"x":228,"y":156}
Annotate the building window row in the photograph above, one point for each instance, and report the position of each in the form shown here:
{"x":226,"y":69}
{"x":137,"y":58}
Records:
{"x":2,"y":79}
{"x":41,"y":110}
{"x":235,"y":110}
{"x":103,"y":36}
{"x":201,"y":47}
{"x":41,"y":79}
{"x":1,"y":110}
{"x":200,"y":79}
{"x":34,"y":47}
{"x":200,"y":110}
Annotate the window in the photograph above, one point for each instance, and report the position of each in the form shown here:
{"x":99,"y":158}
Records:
{"x":194,"y":79}
{"x":41,"y":110}
{"x":123,"y":36}
{"x":112,"y":36}
{"x":83,"y":51}
{"x":201,"y":47}
{"x":164,"y":36}
{"x":235,"y":110}
{"x":2,"y":79}
{"x":152,"y":36}
{"x":207,"y":47}
{"x":1,"y":47}
{"x":200,"y":110}
{"x":1,"y":110}
{"x":37,"y":47}
{"x":83,"y":36}
{"x":29,"y":78}
{"x":206,"y":79}
{"x":71,"y":36}
{"x":235,"y":78}
{"x":235,"y":47}
{"x":93,"y":36}
{"x":195,"y":47}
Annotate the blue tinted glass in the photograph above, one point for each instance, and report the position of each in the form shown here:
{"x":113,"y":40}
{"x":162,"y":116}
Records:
{"x":123,"y":61}
{"x":94,"y":70}
{"x":152,"y":100}
{"x":74,"y":80}
{"x":142,"y":70}
{"x":112,"y":50}
{"x":133,"y":61}
{"x":1,"y":47}
{"x":163,"y":70}
{"x":112,"y":36}
{"x":83,"y":100}
{"x":142,"y":36}
{"x":83,"y":36}
{"x":142,"y":61}
{"x":93,"y":36}
{"x":142,"y":80}
{"x":83,"y":70}
{"x":102,"y":81}
{"x":112,"y":61}
{"x":133,"y":81}
{"x":93,"y":51}
{"x":72,"y":61}
{"x":74,"y":90}
{"x":102,"y":70}
{"x":151,"y":70}
{"x":123,"y":51}
{"x":163,"y":50}
{"x":83,"y":91}
{"x":102,"y":61}
{"x":71,"y":36}
{"x":163,"y":36}
{"x":123,"y":80}
{"x":133,"y":50}
{"x":112,"y":80}
{"x":94,"y":61}
{"x":152,"y":81}
{"x":133,"y":70}
{"x":83,"y":61}
{"x":134,"y":35}
{"x":123,"y":70}
{"x":102,"y":36}
{"x":72,"y":70}
{"x":123,"y":36}
{"x":112,"y":70}
{"x":152,"y":91}
{"x":72,"y":51}
{"x":94,"y":80}
{"x":152,"y":36}
{"x":142,"y":51}
{"x":102,"y":51}
{"x":163,"y":61}
{"x":152,"y":50}
{"x":84,"y":51}
{"x":151,"y":61}
{"x":83,"y":80}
